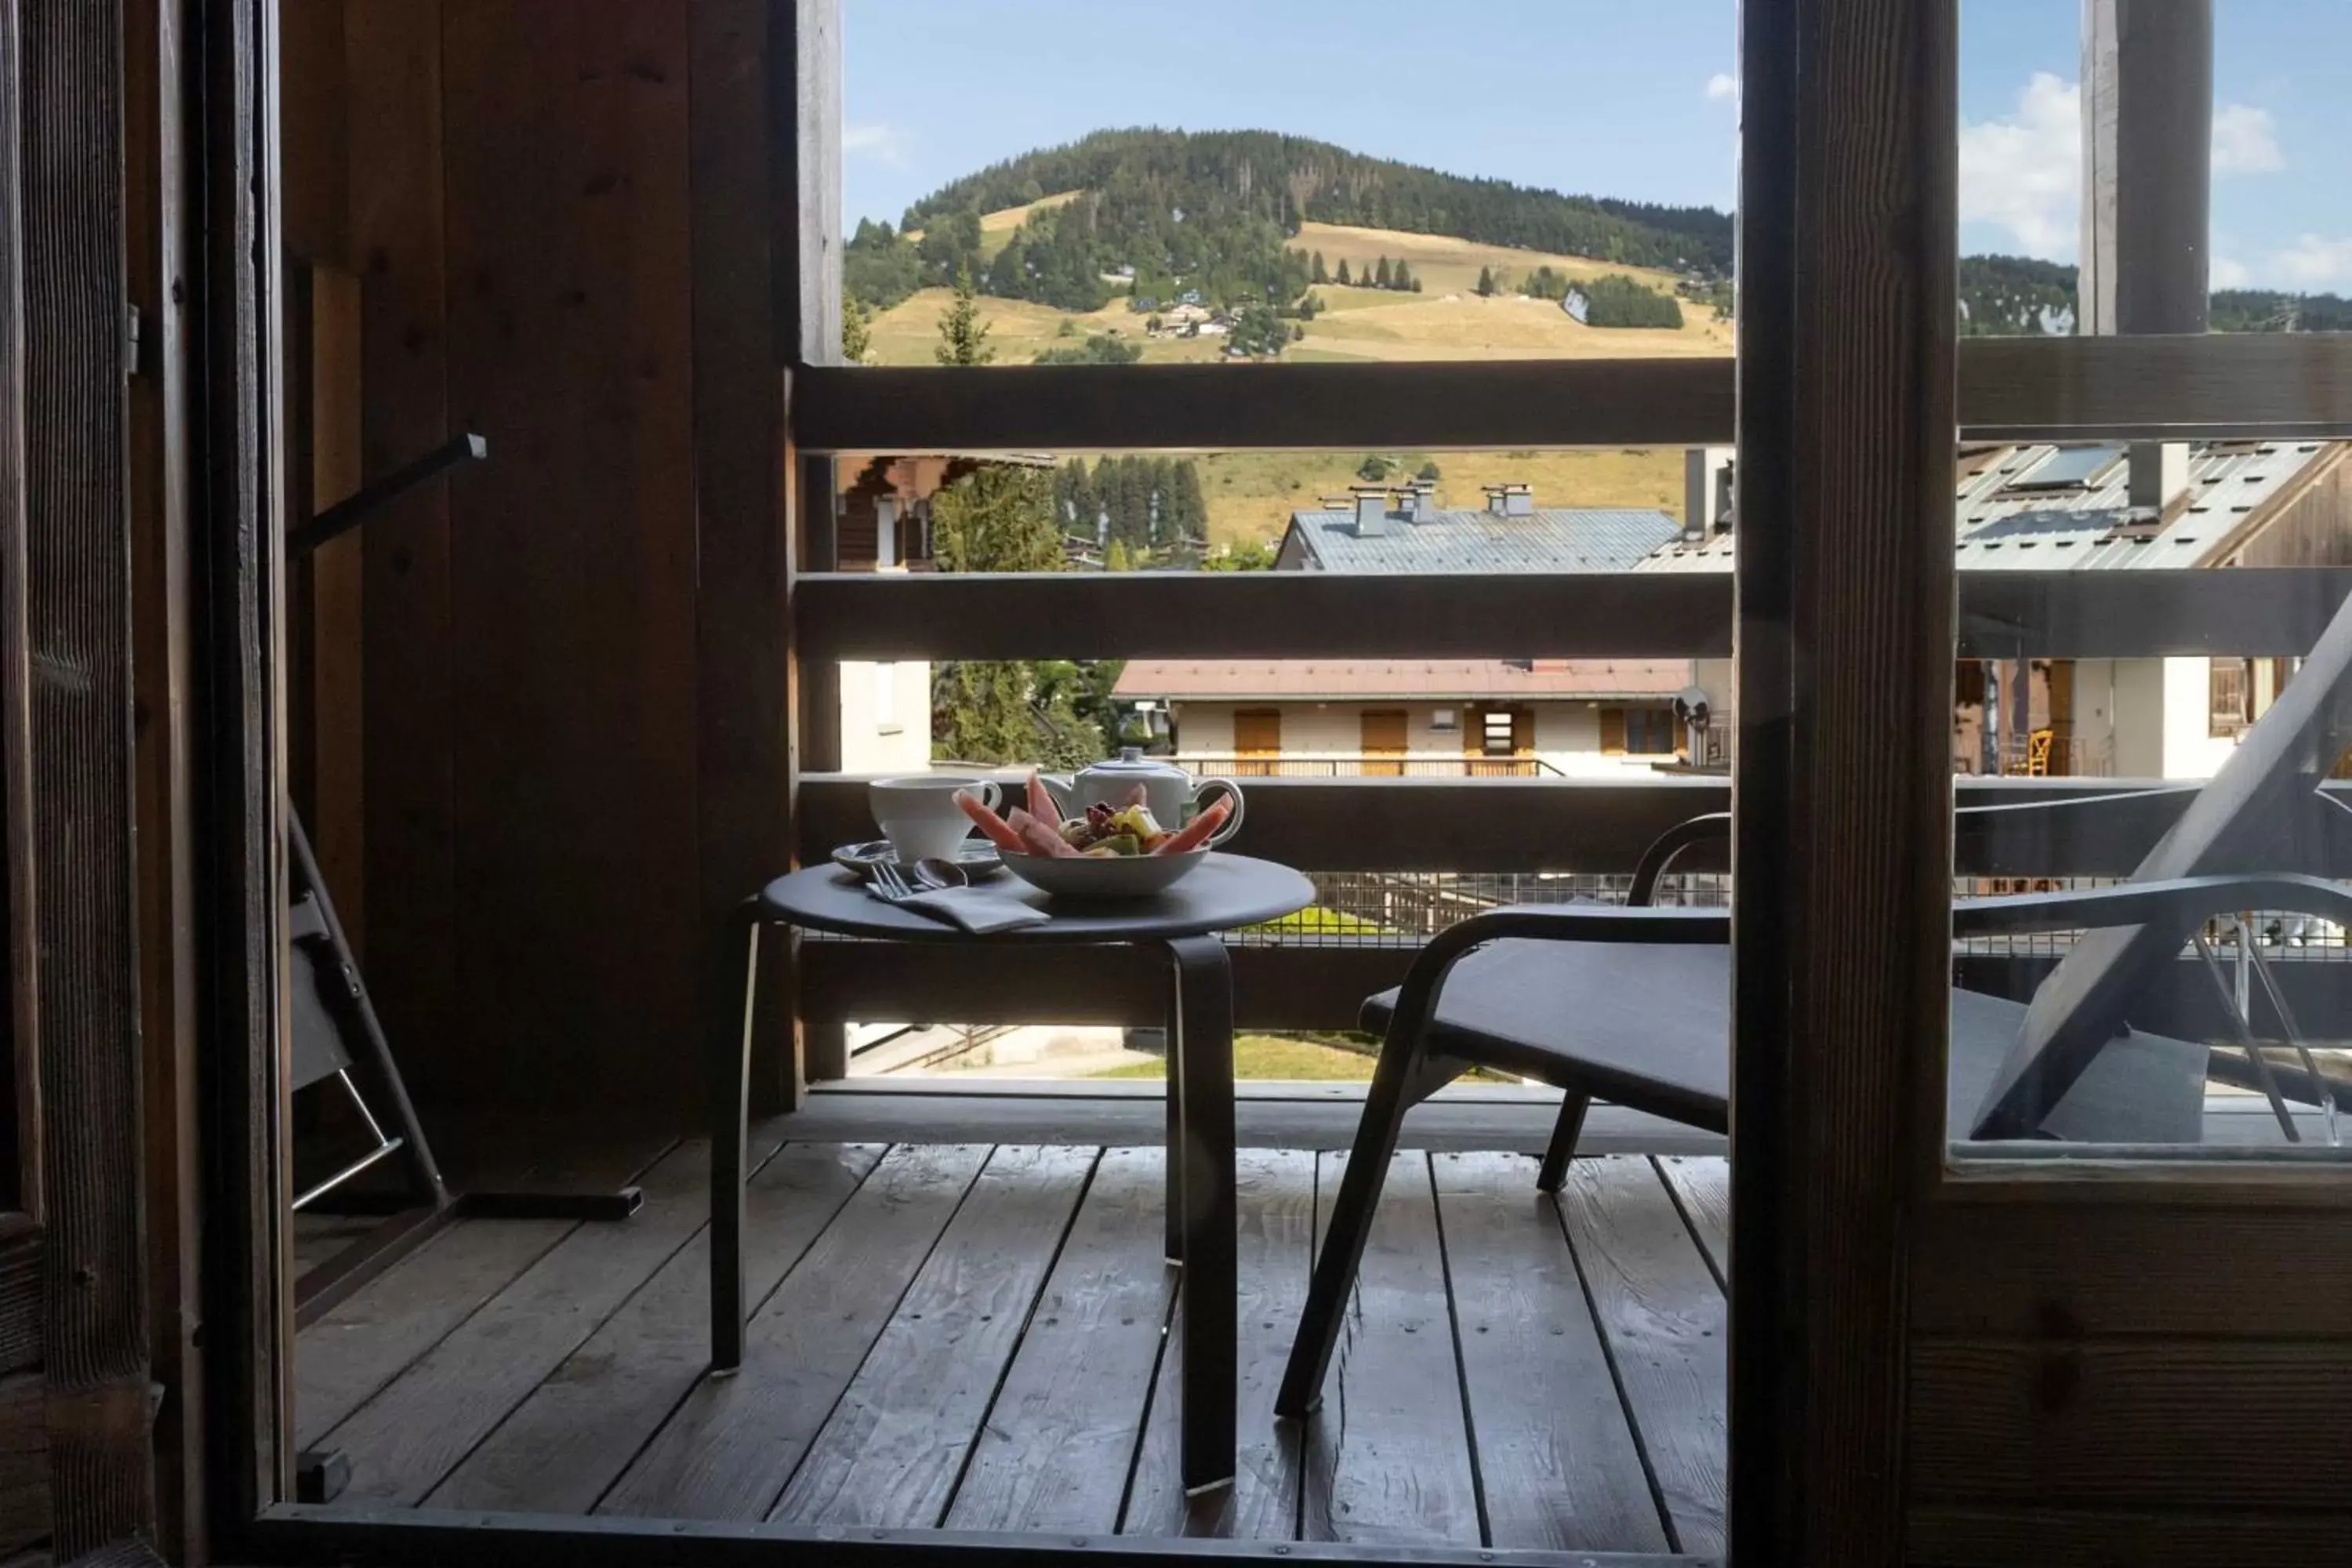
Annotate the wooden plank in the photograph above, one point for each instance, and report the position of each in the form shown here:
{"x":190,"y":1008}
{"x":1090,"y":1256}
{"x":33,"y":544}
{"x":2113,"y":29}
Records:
{"x":2151,"y":1423}
{"x":850,"y":1116}
{"x":1264,"y":614}
{"x":407,"y":675}
{"x":893,"y":1449}
{"x":733,"y":1443}
{"x":24,"y":1462}
{"x":336,"y":588}
{"x":1959,"y":1537}
{"x":1275,"y":1250}
{"x":1558,"y":1465}
{"x":747,"y":285}
{"x":1061,"y":1437}
{"x":2252,"y":610}
{"x":572,"y":1438}
{"x":404,"y":1440}
{"x":2011,"y":389}
{"x":630,"y":344}
{"x":1388,"y":1455}
{"x":2069,"y":1272}
{"x":346,"y":1357}
{"x":61,"y":78}
{"x":1662,"y":1317}
{"x":1561,"y":403}
{"x":1843,"y":849}
{"x":1529,"y":826}
{"x":1702,"y":1187}
{"x":22,"y":1269}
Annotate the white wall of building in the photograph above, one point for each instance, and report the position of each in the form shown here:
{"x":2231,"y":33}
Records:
{"x":885,"y":718}
{"x":2191,"y":748}
{"x":1567,"y":734}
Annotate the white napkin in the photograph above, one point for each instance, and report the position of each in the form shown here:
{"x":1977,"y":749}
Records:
{"x":978,"y":910}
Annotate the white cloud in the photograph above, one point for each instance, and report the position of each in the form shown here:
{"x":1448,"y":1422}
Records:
{"x":2024,"y":173}
{"x":1722,"y":87}
{"x":2313,"y":262}
{"x":2228,"y":273}
{"x":2245,"y":141}
{"x":882,"y":143}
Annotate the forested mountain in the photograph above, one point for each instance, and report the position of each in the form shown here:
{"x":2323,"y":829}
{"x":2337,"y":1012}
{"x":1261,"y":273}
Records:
{"x":1215,"y":211}
{"x":2011,"y":295}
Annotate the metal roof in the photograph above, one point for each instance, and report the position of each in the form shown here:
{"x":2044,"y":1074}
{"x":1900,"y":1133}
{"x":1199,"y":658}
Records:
{"x":1551,"y":539}
{"x":2011,"y":520}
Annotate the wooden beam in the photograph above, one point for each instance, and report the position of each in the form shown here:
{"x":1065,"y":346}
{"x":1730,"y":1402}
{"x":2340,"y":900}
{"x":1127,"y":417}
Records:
{"x":78,"y":619}
{"x":743,"y":63}
{"x":248,"y":1308}
{"x":1843,"y":831}
{"x":2247,"y":612}
{"x":1602,"y":826}
{"x":2011,"y":389}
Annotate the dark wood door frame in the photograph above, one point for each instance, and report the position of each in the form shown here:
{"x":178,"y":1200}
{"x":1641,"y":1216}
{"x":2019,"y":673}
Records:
{"x":1842,"y":795}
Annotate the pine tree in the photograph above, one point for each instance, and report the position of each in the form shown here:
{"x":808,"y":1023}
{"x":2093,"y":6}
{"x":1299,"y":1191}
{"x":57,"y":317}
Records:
{"x":1116,"y":558}
{"x":1191,"y":505}
{"x":998,"y":518}
{"x":1417,"y":285}
{"x":1321,"y":274}
{"x":1343,"y":272}
{"x":1485,"y":282}
{"x":857,"y":330}
{"x":963,"y":336}
{"x":1382,"y":279}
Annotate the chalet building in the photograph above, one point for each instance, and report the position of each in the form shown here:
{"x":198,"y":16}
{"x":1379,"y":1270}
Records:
{"x":2106,"y":506}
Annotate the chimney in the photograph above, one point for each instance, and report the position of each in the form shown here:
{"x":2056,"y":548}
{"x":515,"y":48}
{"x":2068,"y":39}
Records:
{"x":1510,"y":500}
{"x":1371,"y":511}
{"x":1706,"y":491}
{"x":1420,"y":502}
{"x":2147,"y":136}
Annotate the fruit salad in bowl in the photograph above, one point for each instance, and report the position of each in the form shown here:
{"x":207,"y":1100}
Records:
{"x":1113,"y":850}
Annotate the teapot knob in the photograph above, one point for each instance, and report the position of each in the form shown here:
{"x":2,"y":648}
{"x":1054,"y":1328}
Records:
{"x":1130,"y":753}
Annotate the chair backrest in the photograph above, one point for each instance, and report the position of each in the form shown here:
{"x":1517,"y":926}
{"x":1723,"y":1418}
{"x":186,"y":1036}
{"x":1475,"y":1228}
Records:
{"x":2243,"y":819}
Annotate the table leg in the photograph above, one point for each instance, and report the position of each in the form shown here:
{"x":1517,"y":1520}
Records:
{"x":1202,"y":1044}
{"x":730,"y":1092}
{"x":1174,"y":1046}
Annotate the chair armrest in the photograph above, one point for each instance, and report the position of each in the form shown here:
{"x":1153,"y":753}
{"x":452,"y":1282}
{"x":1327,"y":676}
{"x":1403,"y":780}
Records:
{"x":1714,"y":827}
{"x":1417,"y":998}
{"x":2184,"y":901}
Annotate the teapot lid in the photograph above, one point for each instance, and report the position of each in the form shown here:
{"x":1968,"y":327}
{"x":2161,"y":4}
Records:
{"x":1131,"y":760}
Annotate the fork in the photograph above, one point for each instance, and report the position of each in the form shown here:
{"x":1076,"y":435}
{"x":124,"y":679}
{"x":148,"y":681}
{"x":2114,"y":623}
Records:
{"x":890,"y":884}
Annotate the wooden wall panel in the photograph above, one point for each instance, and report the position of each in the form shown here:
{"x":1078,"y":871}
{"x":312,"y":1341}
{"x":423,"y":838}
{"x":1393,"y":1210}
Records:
{"x":572,"y":615}
{"x":2068,"y":1272}
{"x":2151,"y":1423}
{"x":395,"y":235}
{"x":24,"y":1463}
{"x":1943,"y":1537}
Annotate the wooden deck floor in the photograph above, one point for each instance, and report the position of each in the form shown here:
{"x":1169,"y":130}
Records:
{"x":973,"y":1336}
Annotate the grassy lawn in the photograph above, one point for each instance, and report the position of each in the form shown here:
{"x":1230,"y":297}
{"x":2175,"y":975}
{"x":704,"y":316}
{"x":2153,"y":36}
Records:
{"x":1263,"y":1056}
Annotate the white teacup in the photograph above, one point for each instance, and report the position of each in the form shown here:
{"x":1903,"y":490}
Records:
{"x":920,"y":816}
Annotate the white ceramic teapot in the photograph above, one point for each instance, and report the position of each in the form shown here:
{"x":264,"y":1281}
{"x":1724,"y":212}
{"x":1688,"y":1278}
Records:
{"x":1170,"y":792}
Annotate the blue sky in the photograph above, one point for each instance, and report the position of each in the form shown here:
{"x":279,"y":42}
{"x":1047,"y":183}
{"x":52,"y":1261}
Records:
{"x":1607,"y":99}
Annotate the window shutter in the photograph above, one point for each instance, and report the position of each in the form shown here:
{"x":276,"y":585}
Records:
{"x":1613,"y":731}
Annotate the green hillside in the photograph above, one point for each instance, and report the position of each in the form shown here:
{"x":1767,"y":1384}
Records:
{"x":2013,"y":295}
{"x":1213,"y":212}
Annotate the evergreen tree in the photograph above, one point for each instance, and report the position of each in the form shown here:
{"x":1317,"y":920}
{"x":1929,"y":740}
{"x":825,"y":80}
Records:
{"x":963,"y":336}
{"x":1417,"y":285}
{"x":1381,"y":279}
{"x":857,"y":330}
{"x":1373,"y":469}
{"x":1428,"y":471}
{"x":1321,"y":273}
{"x":999,"y":518}
{"x":1485,"y":282}
{"x":1191,"y":505}
{"x":1259,"y":332}
{"x":1116,"y":558}
{"x":1343,"y":272}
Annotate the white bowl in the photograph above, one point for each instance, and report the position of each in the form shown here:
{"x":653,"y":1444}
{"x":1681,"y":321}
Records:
{"x":1105,"y":877}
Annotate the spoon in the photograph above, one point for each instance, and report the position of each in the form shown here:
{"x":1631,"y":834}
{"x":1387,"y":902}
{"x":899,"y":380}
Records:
{"x":934,"y":873}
